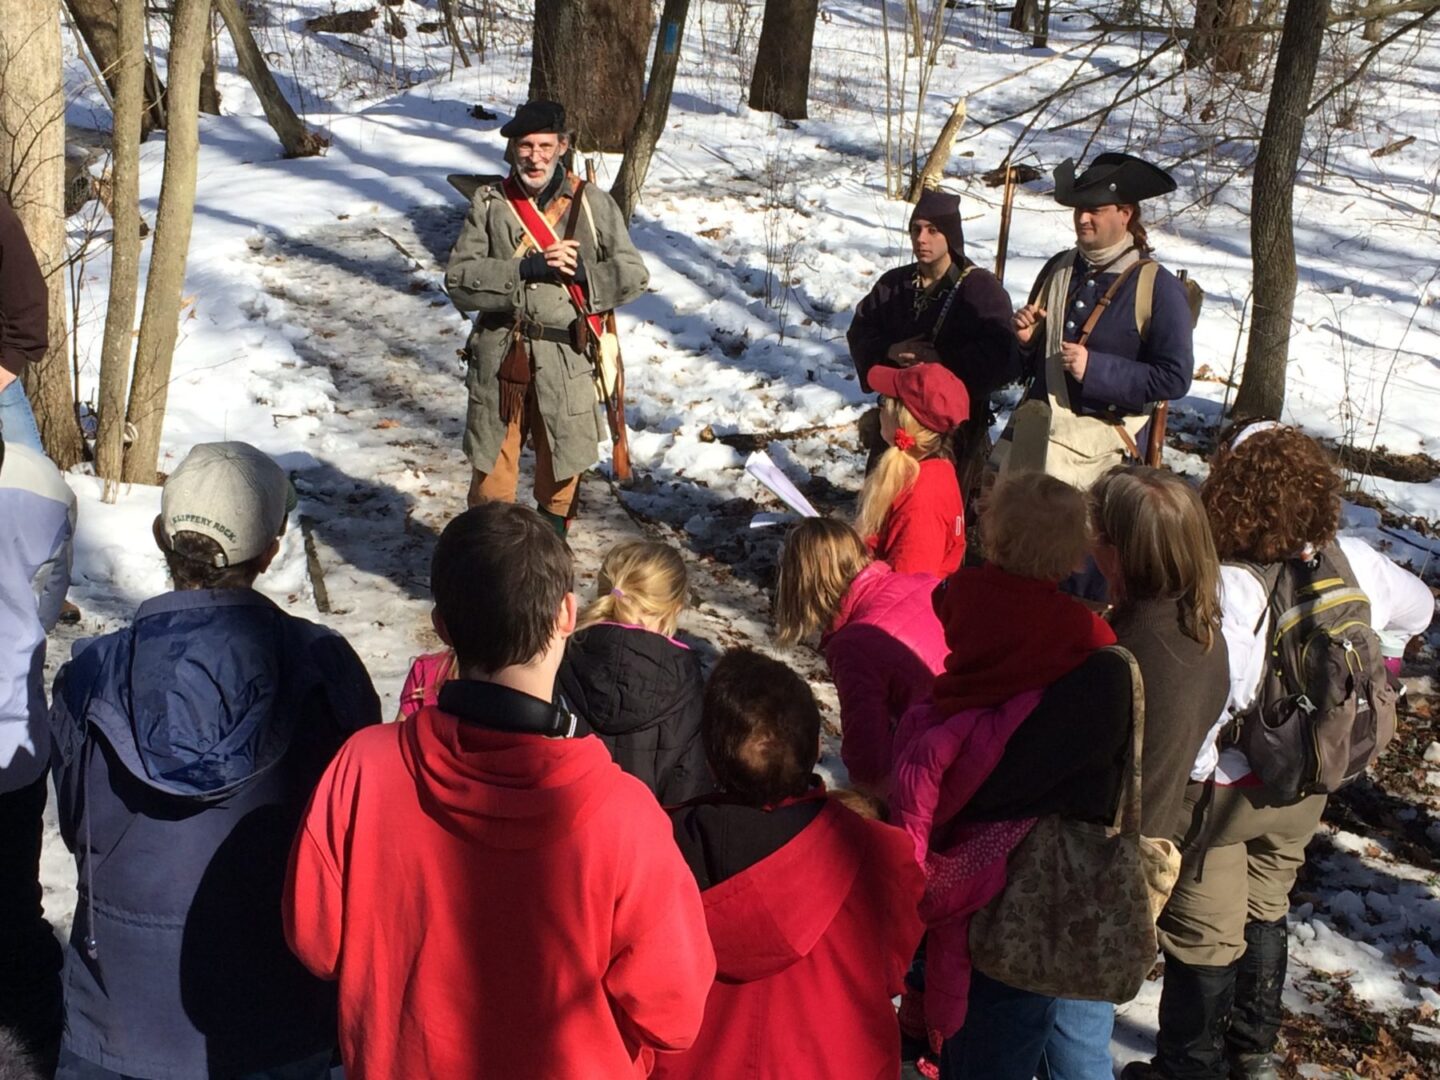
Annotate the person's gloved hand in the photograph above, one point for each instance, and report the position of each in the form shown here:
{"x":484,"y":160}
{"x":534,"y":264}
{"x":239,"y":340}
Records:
{"x":533,"y":267}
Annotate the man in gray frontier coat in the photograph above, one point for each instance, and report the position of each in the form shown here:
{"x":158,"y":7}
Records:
{"x":524,"y":277}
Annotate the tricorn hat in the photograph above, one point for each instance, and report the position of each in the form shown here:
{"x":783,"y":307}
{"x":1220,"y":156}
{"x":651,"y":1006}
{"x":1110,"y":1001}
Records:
{"x":536,"y":118}
{"x":942,"y":210}
{"x":1111,"y":179}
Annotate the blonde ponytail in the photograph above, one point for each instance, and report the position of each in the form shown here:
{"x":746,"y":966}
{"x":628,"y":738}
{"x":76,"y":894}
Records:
{"x":641,"y":583}
{"x":897,"y":469}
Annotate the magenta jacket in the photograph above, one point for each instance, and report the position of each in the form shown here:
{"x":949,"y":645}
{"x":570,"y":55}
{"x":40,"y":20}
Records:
{"x":884,"y":649}
{"x":940,"y":762}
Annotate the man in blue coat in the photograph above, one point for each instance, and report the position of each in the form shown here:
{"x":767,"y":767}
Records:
{"x":185,"y":750}
{"x":1107,"y":331}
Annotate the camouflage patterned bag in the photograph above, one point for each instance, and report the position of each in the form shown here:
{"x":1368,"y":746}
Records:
{"x":1077,"y":917}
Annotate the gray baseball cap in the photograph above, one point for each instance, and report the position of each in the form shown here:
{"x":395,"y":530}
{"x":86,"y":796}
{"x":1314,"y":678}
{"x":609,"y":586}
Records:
{"x":230,"y":492}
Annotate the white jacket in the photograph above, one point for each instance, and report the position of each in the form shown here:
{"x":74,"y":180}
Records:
{"x":1400,"y":605}
{"x":37,"y":524}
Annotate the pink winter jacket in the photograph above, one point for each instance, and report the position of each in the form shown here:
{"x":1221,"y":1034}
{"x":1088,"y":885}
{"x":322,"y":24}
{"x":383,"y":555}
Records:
{"x":884,"y":649}
{"x":939,"y":765}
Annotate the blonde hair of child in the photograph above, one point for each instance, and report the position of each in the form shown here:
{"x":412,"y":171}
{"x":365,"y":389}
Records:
{"x":897,"y":469}
{"x":820,"y":560}
{"x":641,"y":583}
{"x":1035,"y":526}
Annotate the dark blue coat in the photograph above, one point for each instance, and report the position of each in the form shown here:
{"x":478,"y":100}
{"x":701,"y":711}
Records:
{"x":185,"y":750}
{"x":1123,"y":374}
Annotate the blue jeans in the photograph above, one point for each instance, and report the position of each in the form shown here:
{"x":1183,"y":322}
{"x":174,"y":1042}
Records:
{"x":17,"y":422}
{"x":1012,"y":1034}
{"x":73,"y":1067}
{"x":1079,"y":1046}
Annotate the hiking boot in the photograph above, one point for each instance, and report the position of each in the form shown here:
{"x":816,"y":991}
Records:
{"x":1253,"y":1067}
{"x":1195,"y":1003}
{"x":1259,"y":982}
{"x":1141,"y":1070}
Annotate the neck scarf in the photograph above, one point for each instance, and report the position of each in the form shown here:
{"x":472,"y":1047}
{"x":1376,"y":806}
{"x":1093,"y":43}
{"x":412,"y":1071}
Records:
{"x":1101,"y":258}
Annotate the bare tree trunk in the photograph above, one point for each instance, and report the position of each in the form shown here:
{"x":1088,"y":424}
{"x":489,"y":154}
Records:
{"x":96,"y":21}
{"x":452,"y":30}
{"x":32,"y":170}
{"x":209,"y":92}
{"x":1041,"y":40}
{"x":1024,"y":14}
{"x":589,"y":55}
{"x":118,"y":343}
{"x":1272,"y":227}
{"x":781,"y":82}
{"x":297,"y":140}
{"x":159,"y":321}
{"x":917,"y":27}
{"x":641,"y":145}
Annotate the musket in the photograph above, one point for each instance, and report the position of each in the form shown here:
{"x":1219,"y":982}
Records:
{"x":614,"y":401}
{"x":1007,"y":206}
{"x":1155,"y":437}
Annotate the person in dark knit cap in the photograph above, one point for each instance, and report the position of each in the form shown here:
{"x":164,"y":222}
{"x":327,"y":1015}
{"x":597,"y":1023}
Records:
{"x":1106,"y":333}
{"x":940,"y":309}
{"x":537,"y":289}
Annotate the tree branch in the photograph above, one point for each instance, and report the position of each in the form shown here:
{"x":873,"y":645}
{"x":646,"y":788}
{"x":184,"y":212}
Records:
{"x":1374,"y":51}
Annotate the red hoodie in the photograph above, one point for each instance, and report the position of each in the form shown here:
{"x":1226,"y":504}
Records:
{"x":1008,"y":634}
{"x":812,"y":943}
{"x":496,"y":905}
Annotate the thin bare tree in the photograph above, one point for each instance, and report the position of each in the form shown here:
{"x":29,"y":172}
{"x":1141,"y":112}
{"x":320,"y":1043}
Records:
{"x":296,"y":139}
{"x":159,"y":320}
{"x":640,"y":147}
{"x":119,"y":340}
{"x":32,"y":171}
{"x":1272,"y":225}
{"x":96,"y":20}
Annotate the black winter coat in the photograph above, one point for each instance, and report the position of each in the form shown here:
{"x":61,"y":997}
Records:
{"x":976,"y":343}
{"x":642,"y":694}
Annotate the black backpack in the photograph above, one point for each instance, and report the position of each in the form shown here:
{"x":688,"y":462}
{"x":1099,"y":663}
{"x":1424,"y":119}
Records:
{"x":1326,"y":708}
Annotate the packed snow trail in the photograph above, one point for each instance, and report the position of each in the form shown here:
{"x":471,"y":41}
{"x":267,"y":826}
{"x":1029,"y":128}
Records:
{"x":363,"y":299}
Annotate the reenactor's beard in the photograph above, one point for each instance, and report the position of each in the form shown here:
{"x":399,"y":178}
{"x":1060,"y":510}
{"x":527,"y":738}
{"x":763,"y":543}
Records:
{"x":536,"y":186}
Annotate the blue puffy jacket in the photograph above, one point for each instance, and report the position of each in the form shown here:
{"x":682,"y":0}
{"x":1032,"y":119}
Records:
{"x":185,"y":750}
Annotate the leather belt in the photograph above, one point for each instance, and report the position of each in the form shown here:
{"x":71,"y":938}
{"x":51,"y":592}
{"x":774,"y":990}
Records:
{"x":531,"y":330}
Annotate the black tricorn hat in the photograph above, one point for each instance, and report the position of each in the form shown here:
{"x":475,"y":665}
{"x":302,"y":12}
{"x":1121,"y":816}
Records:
{"x":1111,"y":179}
{"x":536,"y":118}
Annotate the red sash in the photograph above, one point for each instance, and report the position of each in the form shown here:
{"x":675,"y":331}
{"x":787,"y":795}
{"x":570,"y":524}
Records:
{"x":543,"y":236}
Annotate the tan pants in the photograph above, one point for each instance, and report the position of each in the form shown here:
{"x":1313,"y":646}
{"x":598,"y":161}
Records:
{"x":501,"y":482}
{"x":1254,"y":852}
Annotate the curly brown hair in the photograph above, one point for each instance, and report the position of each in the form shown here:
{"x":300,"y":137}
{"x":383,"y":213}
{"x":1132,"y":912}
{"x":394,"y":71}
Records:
{"x":1271,"y":496}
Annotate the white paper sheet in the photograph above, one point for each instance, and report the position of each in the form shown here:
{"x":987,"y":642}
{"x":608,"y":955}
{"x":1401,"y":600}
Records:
{"x":768,"y":473}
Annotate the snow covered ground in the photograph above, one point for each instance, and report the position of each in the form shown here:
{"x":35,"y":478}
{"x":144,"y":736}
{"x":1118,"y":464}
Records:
{"x":317,"y":329}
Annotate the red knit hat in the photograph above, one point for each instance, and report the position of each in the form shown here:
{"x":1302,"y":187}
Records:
{"x":932,"y":393}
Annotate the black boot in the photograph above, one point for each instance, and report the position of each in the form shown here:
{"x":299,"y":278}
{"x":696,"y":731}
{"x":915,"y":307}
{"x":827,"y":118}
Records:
{"x":1194,"y":1011}
{"x":1255,"y":1019}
